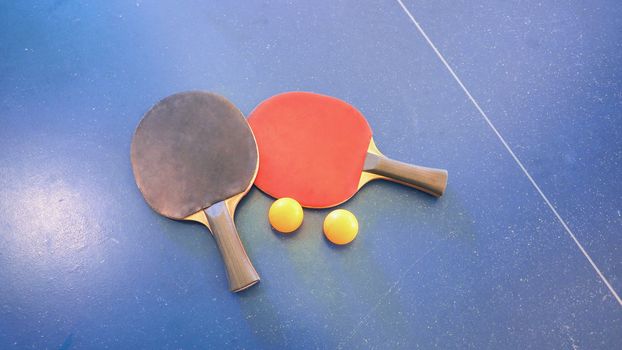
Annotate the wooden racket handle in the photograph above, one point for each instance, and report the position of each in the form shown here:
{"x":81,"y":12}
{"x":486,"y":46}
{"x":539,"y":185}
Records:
{"x":240,"y":270}
{"x":429,"y":180}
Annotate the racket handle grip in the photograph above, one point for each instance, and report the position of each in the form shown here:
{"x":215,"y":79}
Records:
{"x":240,"y":270}
{"x":429,"y":180}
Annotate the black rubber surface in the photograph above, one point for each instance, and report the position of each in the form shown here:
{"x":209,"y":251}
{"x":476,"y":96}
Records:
{"x":190,"y":151}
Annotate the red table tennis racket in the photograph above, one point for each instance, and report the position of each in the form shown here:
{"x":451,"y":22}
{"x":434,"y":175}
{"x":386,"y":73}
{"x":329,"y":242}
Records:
{"x":319,"y":150}
{"x":194,"y":157}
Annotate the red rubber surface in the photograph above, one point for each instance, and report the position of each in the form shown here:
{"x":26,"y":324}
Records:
{"x":311,"y":148}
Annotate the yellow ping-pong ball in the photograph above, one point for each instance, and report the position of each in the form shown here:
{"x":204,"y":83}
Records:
{"x":285,"y":215}
{"x":341,"y":226}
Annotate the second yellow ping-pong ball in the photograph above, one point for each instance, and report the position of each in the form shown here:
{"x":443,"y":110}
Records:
{"x":341,"y":226}
{"x":285,"y":215}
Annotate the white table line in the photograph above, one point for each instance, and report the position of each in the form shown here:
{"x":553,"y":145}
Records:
{"x":507,"y":147}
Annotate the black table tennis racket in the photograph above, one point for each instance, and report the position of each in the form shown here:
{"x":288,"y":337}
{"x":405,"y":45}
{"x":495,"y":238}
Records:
{"x":194,"y":157}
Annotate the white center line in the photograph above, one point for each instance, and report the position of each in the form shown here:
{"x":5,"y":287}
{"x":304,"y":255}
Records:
{"x":507,"y":147}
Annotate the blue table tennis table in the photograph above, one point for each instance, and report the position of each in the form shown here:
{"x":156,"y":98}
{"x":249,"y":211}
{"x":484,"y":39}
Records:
{"x":520,"y":101}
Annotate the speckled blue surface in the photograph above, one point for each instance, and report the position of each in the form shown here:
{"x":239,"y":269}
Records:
{"x":84,"y":262}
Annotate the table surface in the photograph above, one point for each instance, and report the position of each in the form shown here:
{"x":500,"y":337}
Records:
{"x":521,"y":102}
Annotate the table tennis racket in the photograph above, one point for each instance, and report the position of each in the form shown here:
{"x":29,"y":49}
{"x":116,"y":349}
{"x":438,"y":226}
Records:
{"x":194,"y":157}
{"x":319,"y":150}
